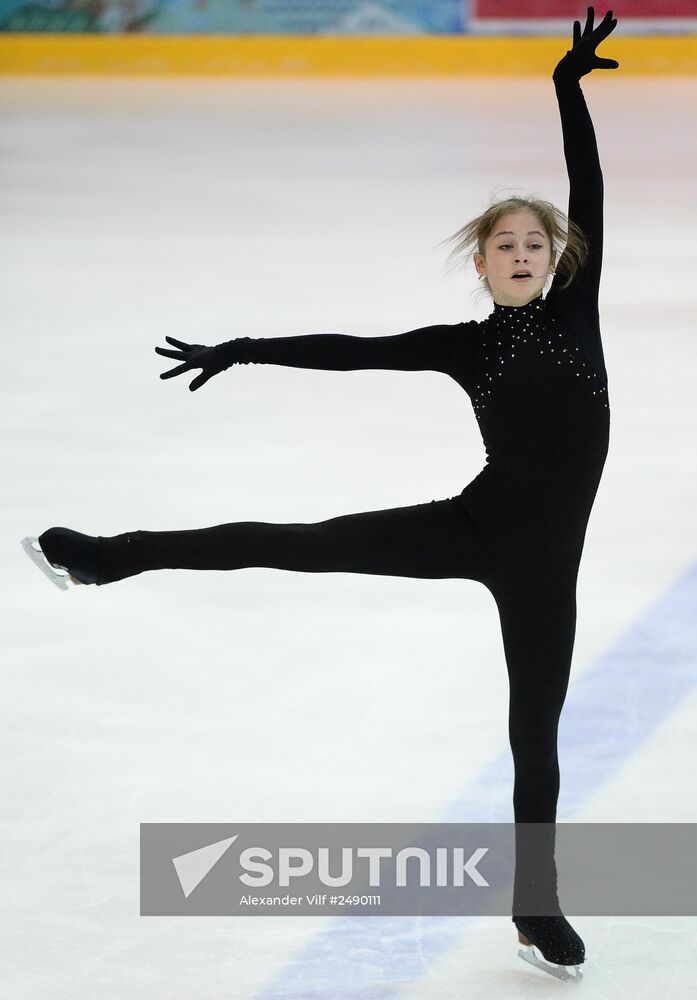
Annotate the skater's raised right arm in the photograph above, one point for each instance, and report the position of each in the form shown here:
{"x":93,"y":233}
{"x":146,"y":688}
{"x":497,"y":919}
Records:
{"x":429,"y":348}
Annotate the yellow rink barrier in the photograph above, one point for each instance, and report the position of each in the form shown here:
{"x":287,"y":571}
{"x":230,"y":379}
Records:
{"x":303,"y":55}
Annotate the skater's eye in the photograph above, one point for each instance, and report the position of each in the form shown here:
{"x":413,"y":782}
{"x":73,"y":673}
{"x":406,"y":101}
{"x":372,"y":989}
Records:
{"x":535,"y":246}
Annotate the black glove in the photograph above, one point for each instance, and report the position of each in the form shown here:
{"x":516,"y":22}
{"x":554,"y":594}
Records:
{"x":581,"y":59}
{"x":211,"y":360}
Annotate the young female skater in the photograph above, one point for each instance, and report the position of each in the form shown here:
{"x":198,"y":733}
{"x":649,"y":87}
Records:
{"x":535,"y":372}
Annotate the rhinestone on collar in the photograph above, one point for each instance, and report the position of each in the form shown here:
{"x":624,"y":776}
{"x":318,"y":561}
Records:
{"x":529,"y":308}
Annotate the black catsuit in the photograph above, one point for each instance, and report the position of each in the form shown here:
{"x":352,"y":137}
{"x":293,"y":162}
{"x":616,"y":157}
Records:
{"x":537,"y":381}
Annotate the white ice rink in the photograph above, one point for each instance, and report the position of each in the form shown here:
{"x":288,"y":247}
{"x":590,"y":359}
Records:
{"x":207,"y":210}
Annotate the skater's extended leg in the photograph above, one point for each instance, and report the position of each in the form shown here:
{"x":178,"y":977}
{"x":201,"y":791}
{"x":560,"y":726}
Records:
{"x":429,"y":540}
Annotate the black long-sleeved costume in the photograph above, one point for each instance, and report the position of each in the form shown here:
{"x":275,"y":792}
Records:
{"x":537,"y":381}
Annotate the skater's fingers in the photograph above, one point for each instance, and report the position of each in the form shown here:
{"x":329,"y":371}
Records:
{"x":178,"y":343}
{"x":605,"y":28}
{"x":177,"y":355}
{"x":199,"y":381}
{"x":175,"y":371}
{"x":590,"y":15}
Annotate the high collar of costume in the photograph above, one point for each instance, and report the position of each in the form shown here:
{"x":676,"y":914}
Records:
{"x":531,"y":309}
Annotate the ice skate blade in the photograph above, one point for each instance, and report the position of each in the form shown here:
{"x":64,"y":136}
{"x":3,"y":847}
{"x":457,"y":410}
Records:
{"x":528,"y":954}
{"x":33,"y":549}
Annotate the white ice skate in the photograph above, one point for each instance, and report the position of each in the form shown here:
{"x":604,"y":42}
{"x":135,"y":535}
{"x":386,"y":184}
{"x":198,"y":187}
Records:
{"x":529,"y":953}
{"x":62,"y":580}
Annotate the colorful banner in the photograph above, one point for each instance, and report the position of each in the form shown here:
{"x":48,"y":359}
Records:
{"x":243,"y":17}
{"x":334,"y":17}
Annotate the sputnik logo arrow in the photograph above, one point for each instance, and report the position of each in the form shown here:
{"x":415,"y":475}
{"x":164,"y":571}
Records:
{"x":193,"y":867}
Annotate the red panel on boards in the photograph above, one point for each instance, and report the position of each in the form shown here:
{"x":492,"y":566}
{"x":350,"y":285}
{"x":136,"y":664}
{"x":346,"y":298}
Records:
{"x":522,"y":9}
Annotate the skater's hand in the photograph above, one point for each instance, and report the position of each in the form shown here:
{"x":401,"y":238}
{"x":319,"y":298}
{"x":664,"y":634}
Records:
{"x":581,"y":59}
{"x":192,"y":356}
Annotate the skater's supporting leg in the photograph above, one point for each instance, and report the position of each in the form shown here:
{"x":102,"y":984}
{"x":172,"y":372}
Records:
{"x":538,"y":623}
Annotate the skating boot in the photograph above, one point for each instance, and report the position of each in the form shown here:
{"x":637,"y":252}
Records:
{"x":65,"y":556}
{"x":561,"y":950}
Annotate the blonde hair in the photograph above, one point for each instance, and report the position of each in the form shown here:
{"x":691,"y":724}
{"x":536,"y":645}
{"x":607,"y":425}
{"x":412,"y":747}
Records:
{"x":560,"y":230}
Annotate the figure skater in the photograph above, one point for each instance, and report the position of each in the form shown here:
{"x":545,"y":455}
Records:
{"x":535,"y":372}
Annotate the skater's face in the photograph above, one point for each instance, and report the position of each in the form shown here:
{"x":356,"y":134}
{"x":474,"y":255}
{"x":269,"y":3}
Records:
{"x":518,"y":243}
